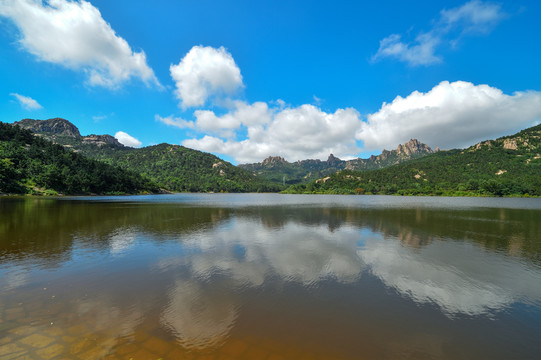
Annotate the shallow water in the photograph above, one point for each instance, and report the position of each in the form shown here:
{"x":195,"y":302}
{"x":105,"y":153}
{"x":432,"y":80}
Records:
{"x":270,"y":277}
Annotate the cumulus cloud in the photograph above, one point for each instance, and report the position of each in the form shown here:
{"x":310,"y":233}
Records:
{"x":27,"y":102}
{"x":472,"y":17}
{"x":74,"y":34}
{"x":450,"y":115}
{"x":127,"y":140}
{"x":205,"y":72}
{"x":295,"y":133}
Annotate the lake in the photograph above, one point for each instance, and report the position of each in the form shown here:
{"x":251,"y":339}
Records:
{"x":269,"y":276}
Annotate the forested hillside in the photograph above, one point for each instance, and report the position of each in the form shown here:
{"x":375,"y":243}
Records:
{"x":508,"y":166}
{"x":172,"y":167}
{"x":31,"y":165}
{"x":182,"y":169}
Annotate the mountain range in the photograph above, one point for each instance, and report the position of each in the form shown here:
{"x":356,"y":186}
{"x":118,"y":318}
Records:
{"x":506,"y":166}
{"x":277,"y":169}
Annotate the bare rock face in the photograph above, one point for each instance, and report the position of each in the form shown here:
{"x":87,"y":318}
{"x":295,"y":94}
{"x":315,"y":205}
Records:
{"x":56,"y":126}
{"x":510,"y":144}
{"x":55,"y":129}
{"x":273,"y":161}
{"x":333,"y":160}
{"x":101,"y":140}
{"x":411,"y":149}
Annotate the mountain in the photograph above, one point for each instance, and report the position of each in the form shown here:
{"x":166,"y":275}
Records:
{"x":63,"y":132}
{"x":277,"y":169}
{"x":404,"y":152}
{"x":172,"y":167}
{"x":34,"y":165}
{"x":508,"y":166}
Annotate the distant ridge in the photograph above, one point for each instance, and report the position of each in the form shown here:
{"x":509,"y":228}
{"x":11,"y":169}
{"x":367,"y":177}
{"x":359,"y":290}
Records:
{"x":277,"y":169}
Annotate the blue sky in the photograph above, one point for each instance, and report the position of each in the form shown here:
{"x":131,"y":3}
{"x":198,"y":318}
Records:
{"x":299,"y":79}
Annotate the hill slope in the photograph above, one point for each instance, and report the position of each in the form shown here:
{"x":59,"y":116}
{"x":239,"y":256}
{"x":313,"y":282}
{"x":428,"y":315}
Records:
{"x":509,"y":166}
{"x":277,"y":169}
{"x":173,"y":167}
{"x":29,"y":164}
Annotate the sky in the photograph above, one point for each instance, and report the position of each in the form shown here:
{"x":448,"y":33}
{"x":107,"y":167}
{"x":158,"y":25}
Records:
{"x":245,"y":80}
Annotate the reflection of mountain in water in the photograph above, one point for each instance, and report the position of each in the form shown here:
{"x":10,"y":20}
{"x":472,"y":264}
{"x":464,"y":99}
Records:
{"x":466,"y":262}
{"x":50,"y":229}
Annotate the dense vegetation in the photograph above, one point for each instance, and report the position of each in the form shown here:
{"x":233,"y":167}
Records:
{"x":30,"y":165}
{"x":509,"y":166}
{"x":173,"y":167}
{"x":178,"y":168}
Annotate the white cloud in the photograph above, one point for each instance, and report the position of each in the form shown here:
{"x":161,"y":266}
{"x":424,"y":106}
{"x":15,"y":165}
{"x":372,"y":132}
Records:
{"x":450,"y":115}
{"x":472,"y":17}
{"x":27,"y":102}
{"x":419,"y":53}
{"x":294,"y":133}
{"x":174,"y":121}
{"x":207,"y":121}
{"x":74,"y":34}
{"x":127,"y":140}
{"x":205,"y":72}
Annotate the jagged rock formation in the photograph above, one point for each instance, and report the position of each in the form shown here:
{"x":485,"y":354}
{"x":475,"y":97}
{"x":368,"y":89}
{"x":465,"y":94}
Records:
{"x":274,"y":161}
{"x":277,"y":169}
{"x":404,"y":152}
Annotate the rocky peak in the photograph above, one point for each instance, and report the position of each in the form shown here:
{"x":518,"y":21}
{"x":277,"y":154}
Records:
{"x":274,"y":160}
{"x":333,"y":159}
{"x":56,"y":126}
{"x":413,"y":147}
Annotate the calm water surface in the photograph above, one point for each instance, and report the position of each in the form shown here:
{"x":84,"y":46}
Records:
{"x":270,"y":277}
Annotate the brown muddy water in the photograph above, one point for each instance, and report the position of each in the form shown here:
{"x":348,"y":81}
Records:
{"x":270,"y":277}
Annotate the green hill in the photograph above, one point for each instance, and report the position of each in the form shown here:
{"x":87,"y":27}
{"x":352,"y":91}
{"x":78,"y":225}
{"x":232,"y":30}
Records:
{"x":31,"y":165}
{"x":508,"y":166}
{"x":173,"y":167}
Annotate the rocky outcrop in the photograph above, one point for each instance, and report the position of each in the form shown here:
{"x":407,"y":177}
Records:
{"x":58,"y":129}
{"x":56,"y":126}
{"x":333,"y":160}
{"x":412,"y":149}
{"x":510,"y":144}
{"x":273,"y":161}
{"x":101,"y":140}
